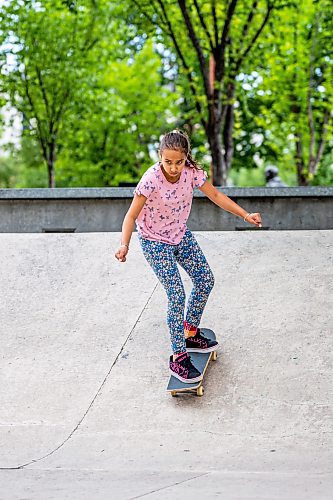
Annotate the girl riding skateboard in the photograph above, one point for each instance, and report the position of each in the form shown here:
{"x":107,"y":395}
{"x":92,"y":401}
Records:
{"x":161,"y":206}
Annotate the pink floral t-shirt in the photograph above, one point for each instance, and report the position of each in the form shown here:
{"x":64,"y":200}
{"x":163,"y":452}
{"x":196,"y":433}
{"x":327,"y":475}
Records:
{"x":165,"y":213}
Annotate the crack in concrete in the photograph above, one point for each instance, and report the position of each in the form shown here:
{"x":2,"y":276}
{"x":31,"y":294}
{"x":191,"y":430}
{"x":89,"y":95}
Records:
{"x":169,"y":486}
{"x":95,"y":396}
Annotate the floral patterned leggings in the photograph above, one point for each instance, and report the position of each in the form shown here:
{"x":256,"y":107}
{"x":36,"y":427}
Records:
{"x":163,"y":258}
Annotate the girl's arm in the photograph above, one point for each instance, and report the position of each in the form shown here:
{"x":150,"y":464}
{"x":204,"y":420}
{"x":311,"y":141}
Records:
{"x":223,"y":201}
{"x":128,"y":226}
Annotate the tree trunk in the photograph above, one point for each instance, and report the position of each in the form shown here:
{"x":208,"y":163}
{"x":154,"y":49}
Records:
{"x":219,"y":169}
{"x":228,"y":126}
{"x":50,"y":164}
{"x":50,"y":170}
{"x":301,"y":176}
{"x":227,"y":136}
{"x":214,"y":130}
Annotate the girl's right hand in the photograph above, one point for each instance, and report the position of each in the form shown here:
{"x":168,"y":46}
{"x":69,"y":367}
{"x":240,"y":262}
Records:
{"x":121,"y":254}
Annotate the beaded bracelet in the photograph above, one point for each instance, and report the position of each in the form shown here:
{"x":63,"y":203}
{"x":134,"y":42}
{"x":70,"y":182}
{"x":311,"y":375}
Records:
{"x":124,"y":245}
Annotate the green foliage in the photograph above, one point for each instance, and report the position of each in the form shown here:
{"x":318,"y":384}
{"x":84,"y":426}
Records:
{"x":82,"y":91}
{"x":121,"y":115}
{"x":8,"y":172}
{"x":324,"y":174}
{"x":23,"y":167}
{"x":98,"y":82}
{"x":291,"y":88}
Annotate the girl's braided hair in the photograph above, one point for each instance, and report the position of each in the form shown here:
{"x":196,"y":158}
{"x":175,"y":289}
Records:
{"x":178,"y":140}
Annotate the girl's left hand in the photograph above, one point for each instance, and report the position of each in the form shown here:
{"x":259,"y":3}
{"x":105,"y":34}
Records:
{"x":254,"y":219}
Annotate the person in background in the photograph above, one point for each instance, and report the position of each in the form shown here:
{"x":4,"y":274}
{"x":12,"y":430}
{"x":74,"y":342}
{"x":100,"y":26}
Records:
{"x":272,"y":177}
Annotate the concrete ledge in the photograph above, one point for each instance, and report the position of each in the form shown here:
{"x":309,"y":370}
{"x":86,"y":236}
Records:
{"x":127,"y":192}
{"x":103,"y":209}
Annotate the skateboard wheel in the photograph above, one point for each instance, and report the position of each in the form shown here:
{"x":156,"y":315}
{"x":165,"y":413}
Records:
{"x":173,"y":394}
{"x":200,"y":391}
{"x":214,"y":356}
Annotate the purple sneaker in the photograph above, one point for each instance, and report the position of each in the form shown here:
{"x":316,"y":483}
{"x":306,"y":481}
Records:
{"x":199,"y":343}
{"x":184,"y":370}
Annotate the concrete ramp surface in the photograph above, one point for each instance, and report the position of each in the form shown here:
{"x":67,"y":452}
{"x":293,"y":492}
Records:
{"x":84,"y":413}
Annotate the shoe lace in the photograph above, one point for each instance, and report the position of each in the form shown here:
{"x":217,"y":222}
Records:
{"x":200,"y":336}
{"x":187,"y":363}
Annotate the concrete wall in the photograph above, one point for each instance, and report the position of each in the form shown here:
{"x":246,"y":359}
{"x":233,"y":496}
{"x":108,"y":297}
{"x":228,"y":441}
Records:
{"x":103,"y":209}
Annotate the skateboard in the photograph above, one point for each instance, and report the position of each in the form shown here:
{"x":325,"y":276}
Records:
{"x":201,"y":361}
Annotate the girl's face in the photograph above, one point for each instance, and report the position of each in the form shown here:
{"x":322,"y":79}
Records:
{"x":173,"y":162}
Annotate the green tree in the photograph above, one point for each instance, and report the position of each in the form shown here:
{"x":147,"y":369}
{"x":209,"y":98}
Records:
{"x":297,"y":87}
{"x":48,"y":50}
{"x":90,"y":89}
{"x":212,"y":40}
{"x":125,"y":109}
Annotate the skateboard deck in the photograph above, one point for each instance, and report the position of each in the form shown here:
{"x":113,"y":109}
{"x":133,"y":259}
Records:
{"x":201,"y":361}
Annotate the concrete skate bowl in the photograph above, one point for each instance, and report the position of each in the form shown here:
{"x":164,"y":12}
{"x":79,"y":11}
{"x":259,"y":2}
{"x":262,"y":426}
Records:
{"x":84,"y":410}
